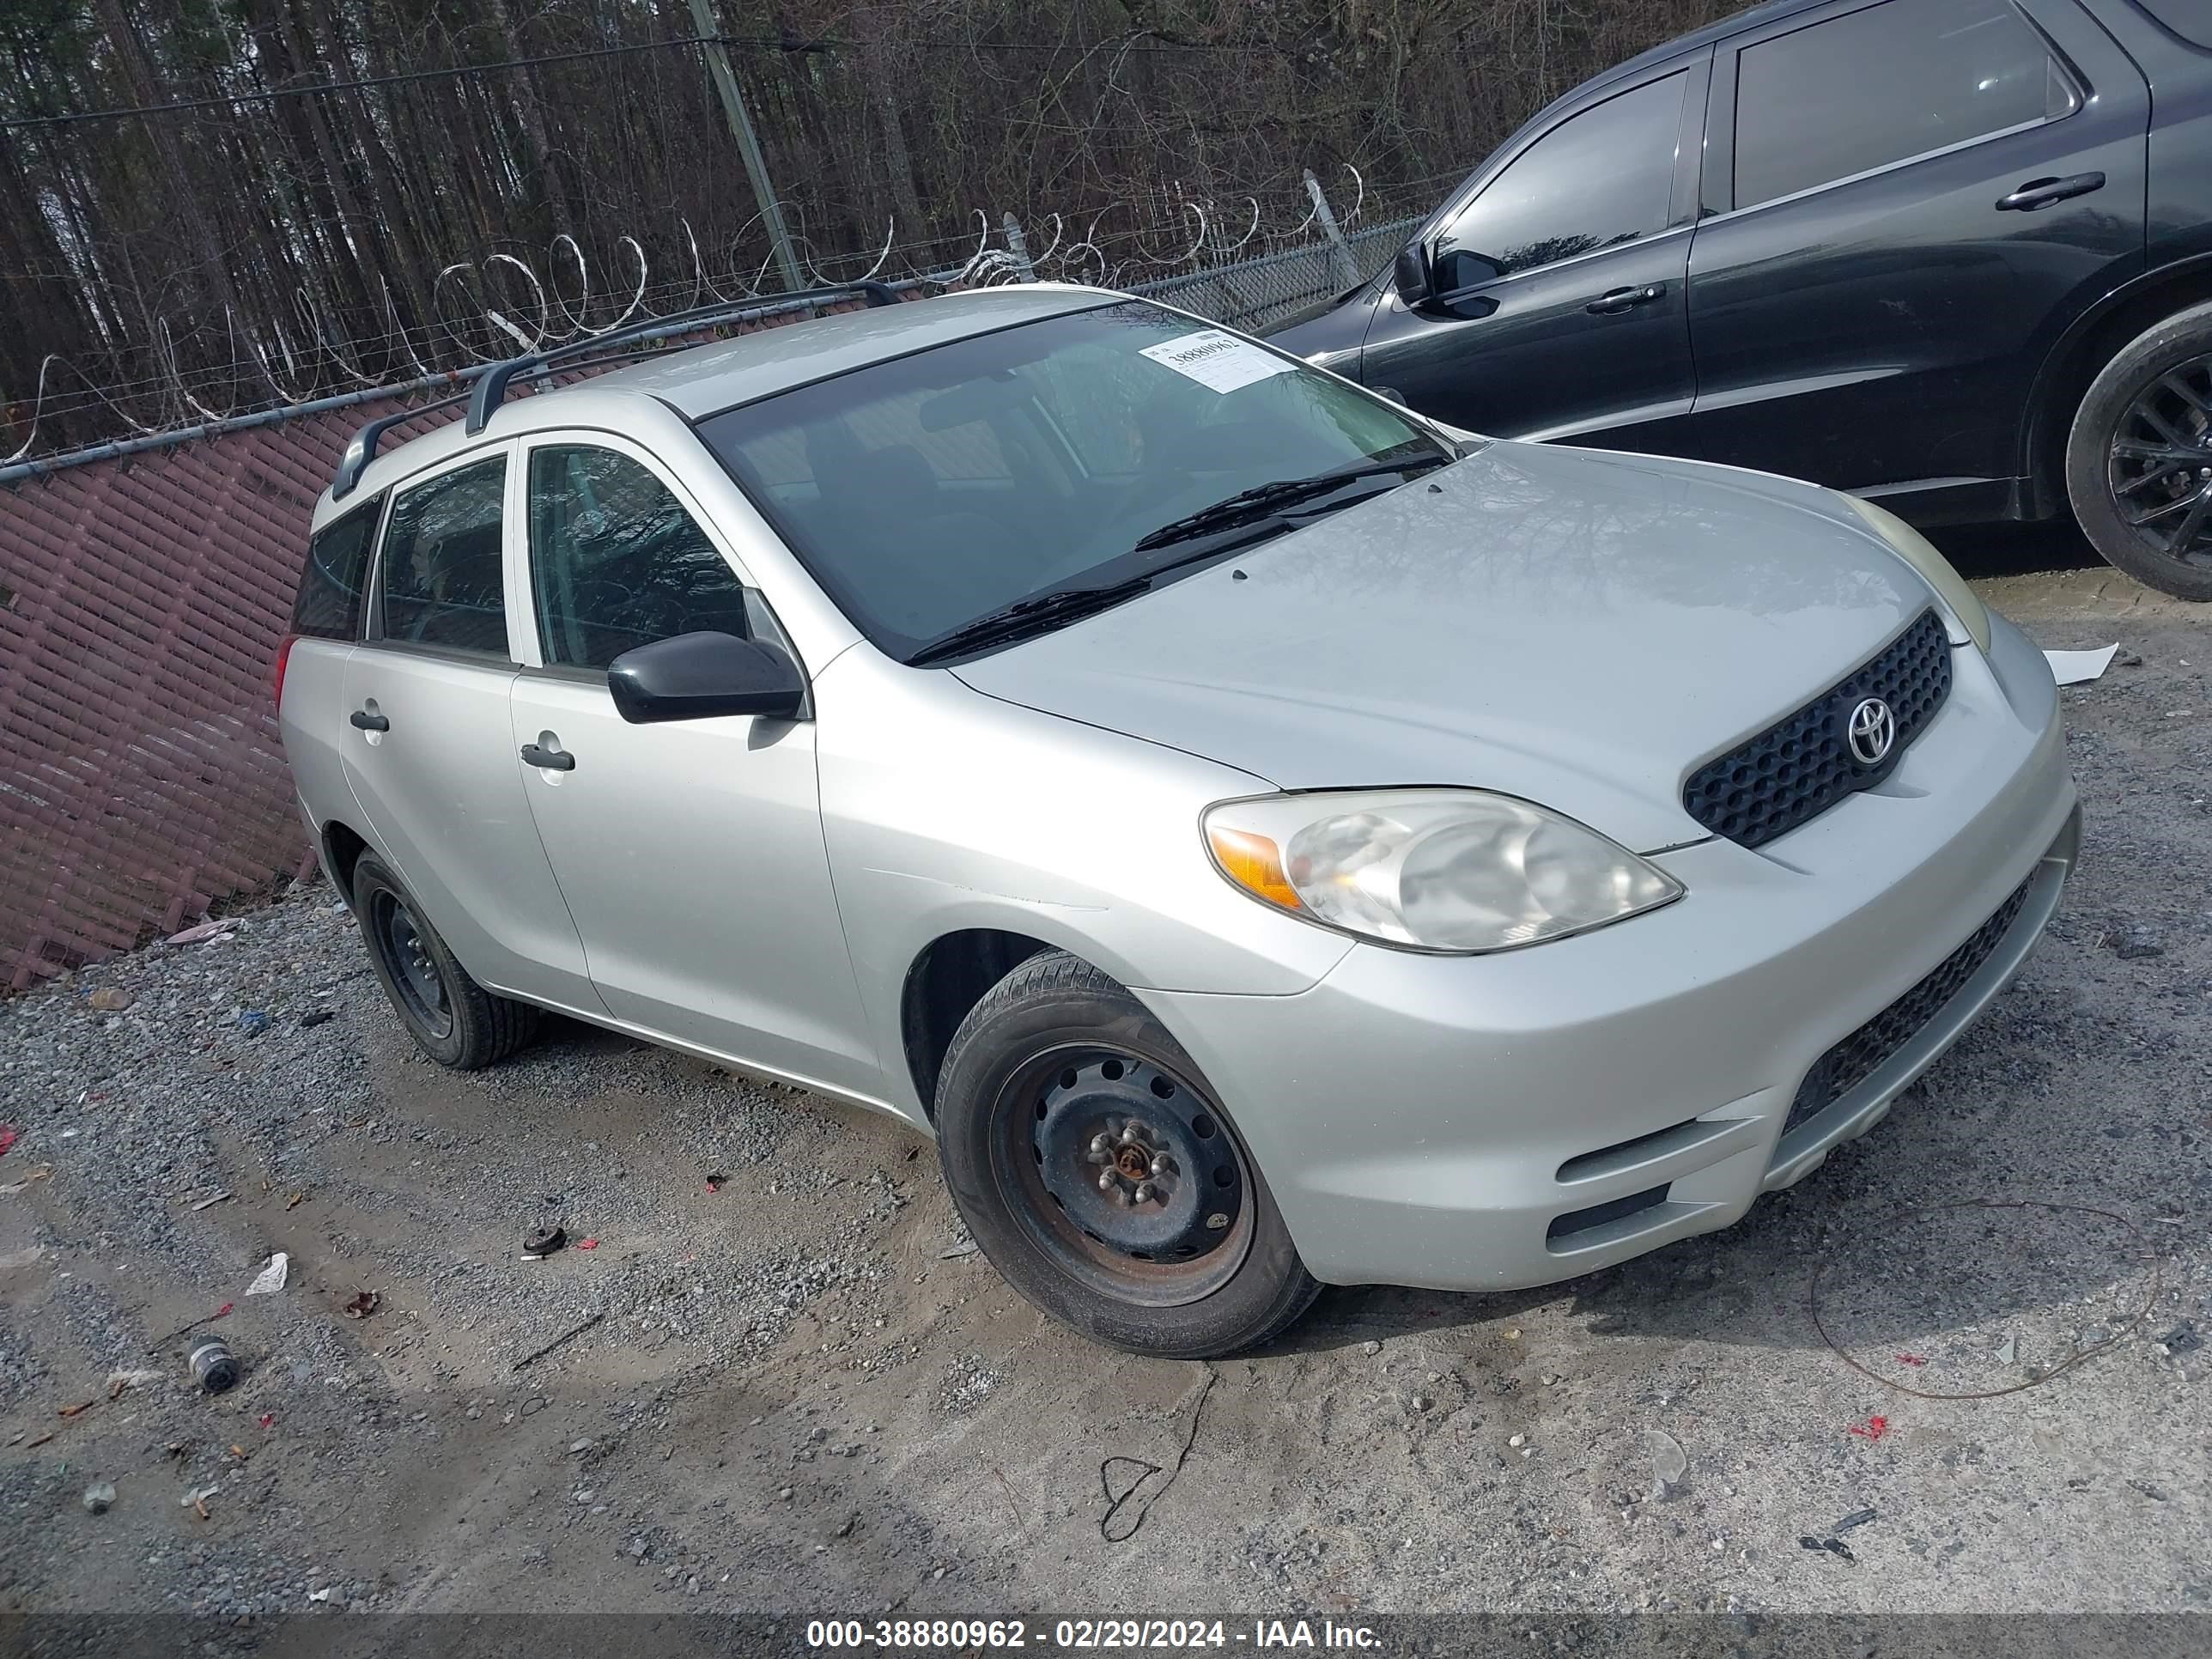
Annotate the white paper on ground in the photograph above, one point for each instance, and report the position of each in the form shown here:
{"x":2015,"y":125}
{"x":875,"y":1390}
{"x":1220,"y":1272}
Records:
{"x":1217,"y":360}
{"x":270,"y":1278}
{"x":2072,"y":667}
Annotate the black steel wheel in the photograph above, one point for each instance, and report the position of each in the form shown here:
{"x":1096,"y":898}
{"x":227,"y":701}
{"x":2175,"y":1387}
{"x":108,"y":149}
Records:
{"x":2139,"y":459}
{"x":453,"y":1019}
{"x":1092,"y":1163}
{"x":398,"y":937}
{"x":1123,"y":1174}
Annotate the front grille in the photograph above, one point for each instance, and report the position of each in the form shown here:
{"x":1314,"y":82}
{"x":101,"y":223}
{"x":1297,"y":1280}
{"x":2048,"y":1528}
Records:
{"x":1853,"y":1061}
{"x":1800,"y":766}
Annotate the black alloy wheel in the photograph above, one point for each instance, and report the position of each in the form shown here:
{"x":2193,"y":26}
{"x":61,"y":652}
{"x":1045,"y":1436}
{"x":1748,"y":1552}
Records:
{"x":2160,"y":464}
{"x":2138,"y":459}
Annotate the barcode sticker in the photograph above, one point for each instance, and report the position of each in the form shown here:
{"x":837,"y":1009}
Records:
{"x":1217,"y":360}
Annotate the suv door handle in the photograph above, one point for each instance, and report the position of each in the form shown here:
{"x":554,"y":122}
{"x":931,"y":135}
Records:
{"x":553,"y":760}
{"x":365,"y":721}
{"x":2048,"y":192}
{"x":1613,"y":301}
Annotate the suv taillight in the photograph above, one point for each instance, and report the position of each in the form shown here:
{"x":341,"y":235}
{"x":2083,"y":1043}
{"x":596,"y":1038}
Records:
{"x":283,"y":660}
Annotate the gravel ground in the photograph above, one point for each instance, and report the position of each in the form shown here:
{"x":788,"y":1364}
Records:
{"x":792,"y":1391}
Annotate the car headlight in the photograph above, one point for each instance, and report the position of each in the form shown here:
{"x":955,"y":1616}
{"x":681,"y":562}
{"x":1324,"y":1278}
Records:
{"x":1457,"y":870}
{"x":1915,"y":548}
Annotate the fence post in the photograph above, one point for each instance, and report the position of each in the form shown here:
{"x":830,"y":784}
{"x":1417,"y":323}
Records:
{"x":1339,"y":253}
{"x":1017,"y":245}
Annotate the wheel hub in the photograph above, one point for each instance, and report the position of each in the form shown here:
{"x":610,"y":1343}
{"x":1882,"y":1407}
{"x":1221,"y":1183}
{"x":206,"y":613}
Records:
{"x":2161,"y":463}
{"x":1137,"y":1162}
{"x":419,"y":982}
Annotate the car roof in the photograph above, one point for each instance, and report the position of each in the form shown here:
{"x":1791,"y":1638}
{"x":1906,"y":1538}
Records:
{"x":1734,"y":23}
{"x":705,"y":379}
{"x":696,"y":381}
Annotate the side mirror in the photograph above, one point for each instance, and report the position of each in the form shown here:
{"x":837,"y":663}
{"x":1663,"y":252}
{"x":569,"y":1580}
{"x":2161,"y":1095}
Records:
{"x":694,"y":676}
{"x":1460,"y":270}
{"x":1409,"y":275}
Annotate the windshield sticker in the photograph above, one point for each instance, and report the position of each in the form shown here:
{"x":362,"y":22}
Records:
{"x":1217,"y":360}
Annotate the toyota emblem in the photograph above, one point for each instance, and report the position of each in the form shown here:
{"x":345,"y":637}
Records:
{"x":1870,"y":731}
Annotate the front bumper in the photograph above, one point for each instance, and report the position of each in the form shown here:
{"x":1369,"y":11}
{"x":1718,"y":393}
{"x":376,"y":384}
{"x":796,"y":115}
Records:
{"x":1491,"y":1122}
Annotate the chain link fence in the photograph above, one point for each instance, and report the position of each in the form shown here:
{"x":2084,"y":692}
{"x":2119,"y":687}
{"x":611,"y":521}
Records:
{"x":1253,"y":294}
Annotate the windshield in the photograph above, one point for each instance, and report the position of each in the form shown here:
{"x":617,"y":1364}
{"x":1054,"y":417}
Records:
{"x":929,"y":491}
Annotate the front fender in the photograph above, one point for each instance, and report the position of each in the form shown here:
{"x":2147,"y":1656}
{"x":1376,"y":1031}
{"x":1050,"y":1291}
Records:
{"x":945,"y":809}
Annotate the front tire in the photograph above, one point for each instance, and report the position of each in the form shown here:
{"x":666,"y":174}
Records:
{"x":2139,"y":457}
{"x":1090,"y":1160}
{"x":453,"y":1019}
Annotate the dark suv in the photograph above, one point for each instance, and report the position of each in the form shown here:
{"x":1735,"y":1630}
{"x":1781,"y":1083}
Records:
{"x":1953,"y":255}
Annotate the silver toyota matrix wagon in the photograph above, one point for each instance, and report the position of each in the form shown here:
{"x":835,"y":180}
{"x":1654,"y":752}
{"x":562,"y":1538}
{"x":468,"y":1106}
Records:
{"x":1267,"y":838}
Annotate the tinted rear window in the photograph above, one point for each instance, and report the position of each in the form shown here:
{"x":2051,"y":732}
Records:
{"x":1870,"y":87}
{"x":329,"y":605}
{"x":442,"y":579}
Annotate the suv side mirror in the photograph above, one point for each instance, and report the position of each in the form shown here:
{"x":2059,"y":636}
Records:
{"x":1464,"y":270}
{"x":692,"y":677}
{"x":1409,"y":275}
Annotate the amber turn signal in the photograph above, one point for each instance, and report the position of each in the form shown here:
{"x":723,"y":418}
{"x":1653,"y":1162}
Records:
{"x":1254,"y":863}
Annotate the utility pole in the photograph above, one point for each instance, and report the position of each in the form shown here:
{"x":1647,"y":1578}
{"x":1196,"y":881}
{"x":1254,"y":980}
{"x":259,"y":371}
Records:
{"x":1339,"y":253}
{"x":741,"y":129}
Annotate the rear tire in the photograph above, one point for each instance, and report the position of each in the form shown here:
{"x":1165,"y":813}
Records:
{"x":1090,"y":1160}
{"x":2139,"y":457}
{"x":453,"y":1019}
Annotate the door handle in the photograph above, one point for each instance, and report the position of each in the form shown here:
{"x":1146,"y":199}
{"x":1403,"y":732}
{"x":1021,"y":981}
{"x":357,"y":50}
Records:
{"x":2048,"y":192}
{"x":1613,"y":301}
{"x":364,"y":721}
{"x":553,"y":760}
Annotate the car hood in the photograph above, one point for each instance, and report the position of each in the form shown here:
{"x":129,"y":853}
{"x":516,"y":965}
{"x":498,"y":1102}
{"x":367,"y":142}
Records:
{"x":1574,"y":627}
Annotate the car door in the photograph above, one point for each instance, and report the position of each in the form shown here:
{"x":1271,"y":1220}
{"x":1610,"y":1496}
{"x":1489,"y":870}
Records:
{"x":1909,"y":200}
{"x":327,"y":616}
{"x":427,"y":747}
{"x":690,"y":853}
{"x":1559,"y":308}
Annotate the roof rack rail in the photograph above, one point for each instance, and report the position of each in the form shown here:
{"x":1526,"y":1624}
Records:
{"x":360,"y":450}
{"x":490,"y":389}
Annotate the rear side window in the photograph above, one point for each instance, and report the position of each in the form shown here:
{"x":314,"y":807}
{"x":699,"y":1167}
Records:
{"x":443,"y":583}
{"x":330,"y":591}
{"x":1599,"y":179}
{"x":1883,"y":85}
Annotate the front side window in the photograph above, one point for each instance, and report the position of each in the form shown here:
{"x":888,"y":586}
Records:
{"x":1880,"y":86}
{"x":442,"y":583}
{"x":617,"y":562}
{"x":1597,"y":180}
{"x":328,"y":604}
{"x":928,"y":491}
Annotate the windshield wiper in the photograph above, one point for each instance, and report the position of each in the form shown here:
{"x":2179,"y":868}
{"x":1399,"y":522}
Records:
{"x":1041,"y":613}
{"x":1038,"y":614}
{"x":1250,"y":505}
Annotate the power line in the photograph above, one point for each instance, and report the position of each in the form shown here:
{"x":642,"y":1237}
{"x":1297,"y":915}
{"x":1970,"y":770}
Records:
{"x":747,"y":42}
